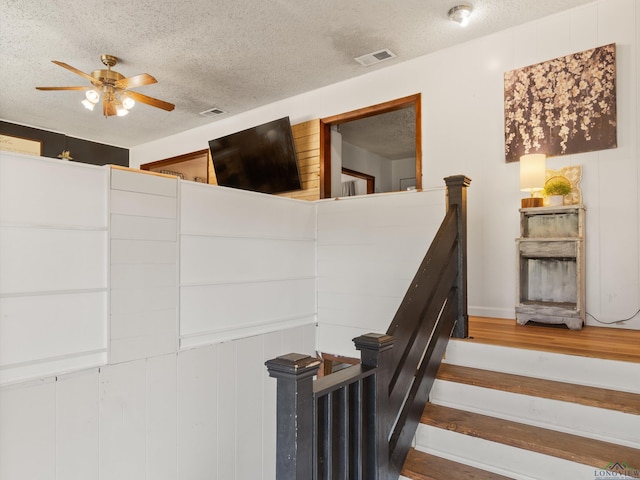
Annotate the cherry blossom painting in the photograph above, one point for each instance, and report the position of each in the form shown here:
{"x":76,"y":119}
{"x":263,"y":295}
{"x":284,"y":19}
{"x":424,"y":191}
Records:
{"x":562,"y":106}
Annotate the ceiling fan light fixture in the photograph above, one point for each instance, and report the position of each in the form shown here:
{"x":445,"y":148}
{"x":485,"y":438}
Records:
{"x":128,"y":102}
{"x":111,"y":87}
{"x":460,"y":14}
{"x":92,"y":95}
{"x":87,"y":104}
{"x":120,"y":110}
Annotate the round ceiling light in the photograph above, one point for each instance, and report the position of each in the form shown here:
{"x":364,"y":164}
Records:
{"x":461,"y":14}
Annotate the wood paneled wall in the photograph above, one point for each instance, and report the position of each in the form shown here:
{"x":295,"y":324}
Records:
{"x":306,"y":137}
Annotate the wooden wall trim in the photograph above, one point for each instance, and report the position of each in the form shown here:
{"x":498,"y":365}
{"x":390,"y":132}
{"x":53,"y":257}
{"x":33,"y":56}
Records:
{"x":180,"y":158}
{"x":384,"y":107}
{"x":370,"y":179}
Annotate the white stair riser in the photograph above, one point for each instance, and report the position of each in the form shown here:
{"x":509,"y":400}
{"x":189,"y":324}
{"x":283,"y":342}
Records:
{"x":593,"y":372}
{"x":498,"y":458}
{"x":602,"y":424}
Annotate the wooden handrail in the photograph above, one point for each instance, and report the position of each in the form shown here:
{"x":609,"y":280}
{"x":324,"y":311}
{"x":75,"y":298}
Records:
{"x":358,"y":423}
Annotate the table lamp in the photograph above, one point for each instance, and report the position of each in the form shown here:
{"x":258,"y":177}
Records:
{"x":532,"y":171}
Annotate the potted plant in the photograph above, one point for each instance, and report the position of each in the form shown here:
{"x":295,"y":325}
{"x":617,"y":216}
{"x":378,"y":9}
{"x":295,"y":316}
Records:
{"x":555,"y":190}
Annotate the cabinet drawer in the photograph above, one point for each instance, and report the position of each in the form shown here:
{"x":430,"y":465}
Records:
{"x":548,"y":248}
{"x":565,"y":224}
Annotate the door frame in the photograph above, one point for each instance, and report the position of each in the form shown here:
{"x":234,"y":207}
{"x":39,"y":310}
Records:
{"x":326,"y":123}
{"x":370,"y":179}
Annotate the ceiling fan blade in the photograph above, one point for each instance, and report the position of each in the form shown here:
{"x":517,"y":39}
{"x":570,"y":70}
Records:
{"x":136,"y":81}
{"x":63,"y":88}
{"x":108,"y":108}
{"x":76,"y":71}
{"x":154,"y":102}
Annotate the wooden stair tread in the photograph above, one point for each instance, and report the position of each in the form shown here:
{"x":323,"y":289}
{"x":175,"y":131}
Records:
{"x":595,"y":342}
{"x":423,"y":466}
{"x":568,"y":392}
{"x":575,"y":448}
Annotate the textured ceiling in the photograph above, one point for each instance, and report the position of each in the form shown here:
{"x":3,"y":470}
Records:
{"x":232,"y":54}
{"x":391,"y":135}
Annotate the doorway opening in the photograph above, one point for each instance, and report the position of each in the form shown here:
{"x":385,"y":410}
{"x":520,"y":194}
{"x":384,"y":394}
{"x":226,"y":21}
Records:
{"x":383,"y":141}
{"x":357,"y":183}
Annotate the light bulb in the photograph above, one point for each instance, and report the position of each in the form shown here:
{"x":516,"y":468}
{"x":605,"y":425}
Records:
{"x":87,"y":104}
{"x":121,"y":111}
{"x":128,"y":102}
{"x":461,"y":14}
{"x":92,"y":96}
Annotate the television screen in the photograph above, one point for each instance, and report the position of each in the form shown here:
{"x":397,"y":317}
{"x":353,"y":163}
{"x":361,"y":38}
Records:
{"x":261,"y":159}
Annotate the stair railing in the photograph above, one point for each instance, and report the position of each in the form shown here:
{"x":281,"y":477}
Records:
{"x":358,"y":423}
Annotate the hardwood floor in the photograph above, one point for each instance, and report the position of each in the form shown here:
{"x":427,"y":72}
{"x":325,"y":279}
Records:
{"x":597,"y":342}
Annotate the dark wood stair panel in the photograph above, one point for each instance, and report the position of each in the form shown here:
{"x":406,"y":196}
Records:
{"x":423,"y":466}
{"x":567,"y":392}
{"x":575,"y":448}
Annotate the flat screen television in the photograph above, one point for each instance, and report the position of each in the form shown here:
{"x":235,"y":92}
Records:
{"x":261,"y":158}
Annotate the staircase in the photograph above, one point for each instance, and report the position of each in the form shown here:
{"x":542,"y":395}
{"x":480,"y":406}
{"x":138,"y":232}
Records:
{"x":502,"y":412}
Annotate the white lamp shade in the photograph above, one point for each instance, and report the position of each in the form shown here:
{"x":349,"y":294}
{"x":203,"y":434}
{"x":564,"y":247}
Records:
{"x":121,"y":111}
{"x":92,"y":96}
{"x":87,"y":104}
{"x":128,"y":103}
{"x":532,"y":171}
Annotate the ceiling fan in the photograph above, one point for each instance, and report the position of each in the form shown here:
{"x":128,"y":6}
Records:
{"x":113,"y":88}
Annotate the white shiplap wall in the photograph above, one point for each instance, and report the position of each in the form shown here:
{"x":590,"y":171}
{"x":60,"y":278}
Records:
{"x":226,"y":275}
{"x":53,"y":258}
{"x":144,"y":265}
{"x":205,"y":413}
{"x":247,"y":263}
{"x":89,"y":262}
{"x":369,"y":249}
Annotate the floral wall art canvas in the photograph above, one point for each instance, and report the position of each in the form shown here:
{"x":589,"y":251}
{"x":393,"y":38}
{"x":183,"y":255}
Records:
{"x":562,"y":106}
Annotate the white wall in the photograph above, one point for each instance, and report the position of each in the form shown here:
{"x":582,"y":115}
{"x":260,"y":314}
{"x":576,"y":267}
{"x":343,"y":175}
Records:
{"x":369,"y":249}
{"x":93,"y":383}
{"x":336,"y":162}
{"x":404,"y":168}
{"x":143,"y":266}
{"x":360,"y":160}
{"x":205,"y":413}
{"x":247,"y":263}
{"x":53,"y":255}
{"x":360,"y":185}
{"x":462,"y":95}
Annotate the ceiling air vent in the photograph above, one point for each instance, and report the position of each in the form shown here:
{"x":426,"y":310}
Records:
{"x":212,"y":112}
{"x":375,"y":57}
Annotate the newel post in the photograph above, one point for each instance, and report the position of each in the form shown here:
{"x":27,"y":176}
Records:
{"x":294,"y":440}
{"x":457,"y":198}
{"x":375,"y":351}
